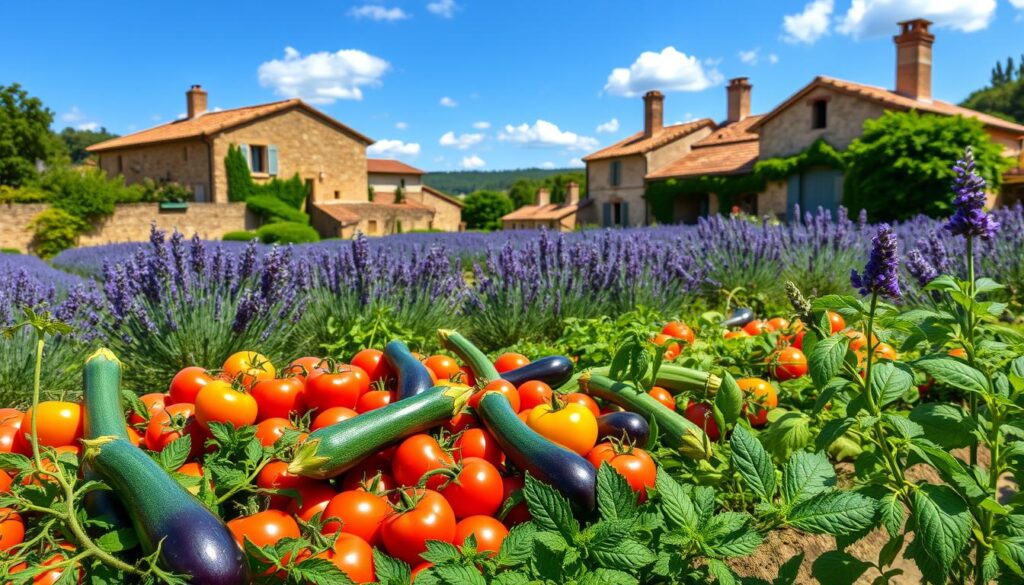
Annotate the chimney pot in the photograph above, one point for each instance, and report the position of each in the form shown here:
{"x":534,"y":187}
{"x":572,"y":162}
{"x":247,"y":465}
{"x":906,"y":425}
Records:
{"x":654,"y":111}
{"x":572,"y":193}
{"x":738,"y":93}
{"x":543,"y":197}
{"x":914,"y":59}
{"x":195,"y":99}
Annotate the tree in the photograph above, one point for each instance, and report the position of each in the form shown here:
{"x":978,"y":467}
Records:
{"x":25,"y":137}
{"x":77,"y":141}
{"x":524,"y":192}
{"x":399,"y":194}
{"x":240,"y":184}
{"x":902,"y":165}
{"x":482,"y":210}
{"x":1005,"y":96}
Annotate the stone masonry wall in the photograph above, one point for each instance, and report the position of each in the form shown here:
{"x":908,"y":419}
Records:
{"x":183,"y":162}
{"x":790,"y":132}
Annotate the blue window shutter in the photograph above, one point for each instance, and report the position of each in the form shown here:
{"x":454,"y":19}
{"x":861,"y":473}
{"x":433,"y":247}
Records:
{"x":624,"y":214}
{"x":606,"y":212}
{"x":272,"y":159}
{"x":245,"y":153}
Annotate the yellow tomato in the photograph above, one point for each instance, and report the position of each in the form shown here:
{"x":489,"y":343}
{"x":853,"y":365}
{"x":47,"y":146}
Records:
{"x":248,"y":367}
{"x":572,"y":426}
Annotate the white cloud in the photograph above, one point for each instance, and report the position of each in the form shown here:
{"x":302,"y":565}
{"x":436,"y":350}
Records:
{"x":547,"y":165}
{"x":443,"y":8}
{"x":473,"y":162}
{"x":609,"y":127}
{"x":393,"y":148}
{"x":868,"y":18}
{"x":669,"y":70}
{"x":576,"y":163}
{"x":462,"y":141}
{"x":1017,"y":3}
{"x":402,"y":125}
{"x":89,"y":126}
{"x":810,"y":25}
{"x":73,"y":115}
{"x":323,"y":77}
{"x":77,"y":117}
{"x":448,"y":102}
{"x":485,"y":125}
{"x":750,"y":57}
{"x":545,"y":134}
{"x":378,"y":13}
{"x":773,"y":58}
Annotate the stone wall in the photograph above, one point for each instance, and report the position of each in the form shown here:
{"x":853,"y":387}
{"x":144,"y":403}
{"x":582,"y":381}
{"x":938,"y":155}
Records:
{"x":131,"y":223}
{"x":630,"y":188}
{"x":790,"y":131}
{"x":773,"y":200}
{"x":184,"y":162}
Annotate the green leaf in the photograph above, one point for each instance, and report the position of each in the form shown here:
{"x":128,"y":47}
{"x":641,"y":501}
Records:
{"x":889,"y":550}
{"x":391,"y":571}
{"x":118,"y":540}
{"x":834,"y":512}
{"x":832,"y":431}
{"x":889,"y":382}
{"x":806,"y":475}
{"x":906,"y":428}
{"x":943,"y":282}
{"x":1010,"y":552}
{"x":721,"y":572}
{"x":549,"y":509}
{"x":753,"y":464}
{"x":838,"y":568}
{"x":841,"y":304}
{"x":942,"y":524}
{"x":730,"y":535}
{"x":511,"y":578}
{"x":319,"y":572}
{"x":615,"y":499}
{"x":627,"y":555}
{"x":518,"y":545}
{"x":175,"y":454}
{"x":985,"y":284}
{"x":675,"y":504}
{"x":440,"y":552}
{"x":460,"y":575}
{"x":729,"y":399}
{"x":946,"y":424}
{"x":787,"y":434}
{"x":826,"y":359}
{"x":601,"y":576}
{"x":891,"y":511}
{"x":950,"y":468}
{"x":955,"y":373}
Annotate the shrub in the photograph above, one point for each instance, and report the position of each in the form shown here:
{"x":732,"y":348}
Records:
{"x":86,"y":194}
{"x":239,"y":236}
{"x":287,"y":232}
{"x":26,"y":194}
{"x":483,"y":209}
{"x":55,"y":230}
{"x":291,"y":191}
{"x":239,"y":178}
{"x":273,"y":209}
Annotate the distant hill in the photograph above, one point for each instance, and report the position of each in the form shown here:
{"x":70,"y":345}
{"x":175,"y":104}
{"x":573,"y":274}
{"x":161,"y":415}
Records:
{"x":463,"y":182}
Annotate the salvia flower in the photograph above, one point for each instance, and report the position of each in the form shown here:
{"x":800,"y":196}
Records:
{"x":880,"y":274}
{"x":970,"y":218}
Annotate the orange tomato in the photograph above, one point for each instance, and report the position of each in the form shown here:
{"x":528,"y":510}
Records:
{"x":672,"y":352}
{"x":583,"y":400}
{"x":663,"y":396}
{"x":219,"y":402}
{"x":488,"y":532}
{"x":331,"y":416}
{"x":836,"y":321}
{"x":442,"y":366}
{"x":777,"y":324}
{"x":788,"y":363}
{"x":507,"y":362}
{"x":11,"y":416}
{"x":884,"y":351}
{"x":757,"y":327}
{"x":58,"y":423}
{"x":736,"y":334}
{"x":12,"y":529}
{"x":763,"y":395}
{"x":957,"y":352}
{"x":503,"y":387}
{"x":272,"y":429}
{"x":187,"y":383}
{"x":857,"y":339}
{"x":678,"y":330}
{"x":354,"y":556}
{"x":572,"y":426}
{"x":372,"y":362}
{"x":248,"y":367}
{"x":533,"y":393}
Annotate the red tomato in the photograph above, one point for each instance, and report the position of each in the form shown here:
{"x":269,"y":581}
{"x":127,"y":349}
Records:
{"x":279,"y":398}
{"x":583,"y":400}
{"x":369,"y":479}
{"x":341,"y":388}
{"x":777,"y":324}
{"x":672,"y":351}
{"x":857,"y":339}
{"x":5,"y":482}
{"x":467,"y":376}
{"x":884,"y":351}
{"x":219,"y":402}
{"x":419,"y":569}
{"x":763,"y":395}
{"x":478,"y":443}
{"x":52,"y":576}
{"x":533,"y":393}
{"x":314,"y":500}
{"x":476,"y":490}
{"x":305,"y":368}
{"x":406,"y":533}
{"x":354,"y":556}
{"x":174,"y":422}
{"x":248,"y":367}
{"x":700,"y":414}
{"x":736,"y":334}
{"x":663,"y":396}
{"x":634,"y":464}
{"x":507,"y":362}
{"x":788,"y":363}
{"x":443,"y":366}
{"x":373,"y":400}
{"x":462,"y":421}
{"x":503,"y":387}
{"x":488,"y":532}
{"x":12,"y":529}
{"x":187,"y":383}
{"x":154,"y":402}
{"x":10,"y":416}
{"x":417,"y":455}
{"x":12,"y":441}
{"x":836,"y":321}
{"x":360,"y":512}
{"x":264,"y":528}
{"x":275,"y":476}
{"x":372,"y":362}
{"x":757,"y":327}
{"x":332,"y":415}
{"x":519,"y":513}
{"x":272,"y":429}
{"x":678,"y":330}
{"x":798,"y":340}
{"x":58,"y":423}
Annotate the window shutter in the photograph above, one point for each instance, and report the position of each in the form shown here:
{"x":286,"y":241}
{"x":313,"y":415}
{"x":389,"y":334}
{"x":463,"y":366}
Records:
{"x":272,"y":159}
{"x":245,"y":153}
{"x":624,"y":214}
{"x":606,"y":212}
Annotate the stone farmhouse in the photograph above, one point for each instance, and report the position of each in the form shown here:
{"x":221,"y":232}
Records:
{"x":554,"y":216}
{"x":280,"y":139}
{"x":828,"y":109}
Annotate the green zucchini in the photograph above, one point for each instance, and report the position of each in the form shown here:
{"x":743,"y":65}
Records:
{"x":573,"y":476}
{"x":483,"y":369}
{"x":335,"y":449}
{"x":104,"y":416}
{"x":673,"y":428}
{"x":677,"y":379}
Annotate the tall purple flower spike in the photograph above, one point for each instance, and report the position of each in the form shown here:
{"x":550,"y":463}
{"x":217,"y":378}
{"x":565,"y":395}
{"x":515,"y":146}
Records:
{"x":970,"y":218}
{"x":880,"y":274}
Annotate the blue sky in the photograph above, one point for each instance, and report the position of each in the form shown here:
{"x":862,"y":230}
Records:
{"x":452,"y":84}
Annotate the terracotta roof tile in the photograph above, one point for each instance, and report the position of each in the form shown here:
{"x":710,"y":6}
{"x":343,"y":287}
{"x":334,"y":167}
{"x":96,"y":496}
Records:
{"x":637,"y":144}
{"x":339,"y":212}
{"x":735,"y":132}
{"x":392,"y":167}
{"x":552,"y":211}
{"x":729,"y":158}
{"x":445,"y":196}
{"x":353,"y":211}
{"x":213,"y":122}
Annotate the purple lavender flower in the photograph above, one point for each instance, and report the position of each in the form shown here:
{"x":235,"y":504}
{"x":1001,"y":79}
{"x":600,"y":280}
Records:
{"x":920,"y":268}
{"x":970,"y":218}
{"x":880,"y":273}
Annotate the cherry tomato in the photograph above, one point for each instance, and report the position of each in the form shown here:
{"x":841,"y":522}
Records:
{"x":219,"y":402}
{"x":342,"y":388}
{"x":519,"y":513}
{"x":248,"y":367}
{"x":406,"y":533}
{"x":678,"y":330}
{"x":777,"y":324}
{"x":279,"y":398}
{"x":444,"y":367}
{"x":12,"y":529}
{"x":533,"y":393}
{"x":763,"y":395}
{"x":264,"y":528}
{"x":757,"y":327}
{"x":488,"y":532}
{"x":187,"y":383}
{"x":701,"y":415}
{"x":672,"y":349}
{"x":275,"y":476}
{"x":372,"y":362}
{"x":663,"y":396}
{"x":272,"y":429}
{"x":572,"y":426}
{"x":583,"y":400}
{"x":52,"y":576}
{"x":736,"y":334}
{"x":354,"y":556}
{"x":788,"y":363}
{"x":634,"y":464}
{"x":314,"y":498}
{"x":360,"y":512}
{"x":836,"y":321}
{"x":332,"y":415}
{"x":478,"y":443}
{"x":507,"y":362}
{"x":373,"y":400}
{"x":503,"y":387}
{"x":476,"y":490}
{"x":58,"y":423}
{"x":857,"y":339}
{"x":304,"y":368}
{"x":417,"y":455}
{"x":884,"y":351}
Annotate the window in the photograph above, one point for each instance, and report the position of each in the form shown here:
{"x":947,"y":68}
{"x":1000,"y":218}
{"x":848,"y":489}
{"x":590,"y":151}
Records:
{"x":258,"y":158}
{"x":184,"y":153}
{"x":819,"y":114}
{"x":615,"y":173}
{"x":371,"y":226}
{"x":402,"y":182}
{"x":337,"y":194}
{"x":120,"y":164}
{"x":616,"y":213}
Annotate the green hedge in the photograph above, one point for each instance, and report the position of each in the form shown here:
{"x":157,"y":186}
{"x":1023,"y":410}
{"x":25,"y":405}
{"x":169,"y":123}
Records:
{"x":273,"y":209}
{"x":286,"y":232}
{"x":240,"y":236}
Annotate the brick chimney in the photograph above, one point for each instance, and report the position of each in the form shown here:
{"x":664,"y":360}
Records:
{"x":914,"y":59}
{"x":543,"y":197}
{"x":738,"y":92}
{"x":195,"y":97}
{"x":572,"y":193}
{"x":654,"y":111}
